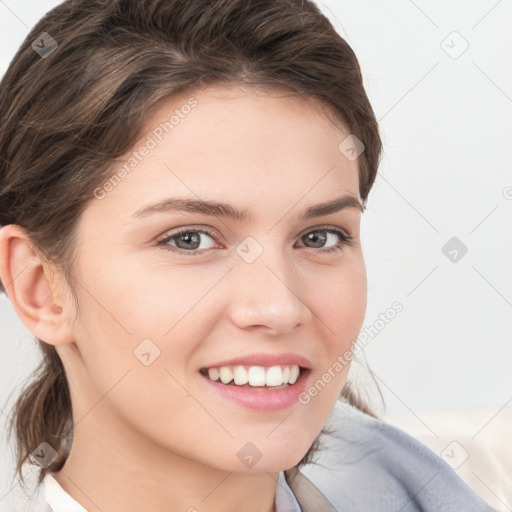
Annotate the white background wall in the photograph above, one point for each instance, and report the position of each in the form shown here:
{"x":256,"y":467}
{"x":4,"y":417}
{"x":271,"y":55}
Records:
{"x":447,"y":130}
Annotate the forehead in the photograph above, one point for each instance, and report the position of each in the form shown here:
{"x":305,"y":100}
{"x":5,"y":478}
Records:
{"x":237,"y":145}
{"x":232,"y":128}
{"x":227,"y":105}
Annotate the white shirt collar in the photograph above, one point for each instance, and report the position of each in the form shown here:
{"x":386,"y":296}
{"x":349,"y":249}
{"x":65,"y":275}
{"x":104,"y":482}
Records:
{"x":58,"y":499}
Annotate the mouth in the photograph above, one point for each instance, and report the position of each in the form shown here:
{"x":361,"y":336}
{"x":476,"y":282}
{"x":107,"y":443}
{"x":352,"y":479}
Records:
{"x":257,"y":377}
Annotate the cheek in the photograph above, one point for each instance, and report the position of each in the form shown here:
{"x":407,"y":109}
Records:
{"x":340,"y":307}
{"x":340,"y":303}
{"x":132,"y":314}
{"x":159,"y":299}
{"x":128,"y":366}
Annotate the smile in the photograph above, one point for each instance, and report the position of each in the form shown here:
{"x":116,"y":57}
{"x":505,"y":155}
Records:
{"x":276,"y":377}
{"x":285,"y":384}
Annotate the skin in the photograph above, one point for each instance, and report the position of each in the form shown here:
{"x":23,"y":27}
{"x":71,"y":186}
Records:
{"x":156,"y":437}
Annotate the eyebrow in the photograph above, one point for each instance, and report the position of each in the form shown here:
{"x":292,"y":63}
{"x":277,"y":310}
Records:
{"x":225,"y":210}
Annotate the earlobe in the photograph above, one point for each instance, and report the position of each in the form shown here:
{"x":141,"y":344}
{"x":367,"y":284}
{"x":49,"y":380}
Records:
{"x":32,"y":287}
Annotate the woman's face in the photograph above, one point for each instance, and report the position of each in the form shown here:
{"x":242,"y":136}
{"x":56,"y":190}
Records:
{"x":154,"y":310}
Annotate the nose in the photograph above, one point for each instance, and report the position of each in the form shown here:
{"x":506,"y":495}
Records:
{"x":267,"y":295}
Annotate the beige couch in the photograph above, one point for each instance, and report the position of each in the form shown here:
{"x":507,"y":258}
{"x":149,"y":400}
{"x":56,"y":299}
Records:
{"x":476,"y":443}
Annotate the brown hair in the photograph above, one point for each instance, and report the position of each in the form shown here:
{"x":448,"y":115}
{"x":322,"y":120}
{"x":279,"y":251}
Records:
{"x":68,"y":114}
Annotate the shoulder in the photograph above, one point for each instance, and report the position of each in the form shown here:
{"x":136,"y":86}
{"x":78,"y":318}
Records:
{"x":367,"y":464}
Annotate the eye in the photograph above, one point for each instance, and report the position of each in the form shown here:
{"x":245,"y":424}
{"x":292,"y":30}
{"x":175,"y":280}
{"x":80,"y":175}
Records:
{"x":187,"y":240}
{"x":321,"y":235}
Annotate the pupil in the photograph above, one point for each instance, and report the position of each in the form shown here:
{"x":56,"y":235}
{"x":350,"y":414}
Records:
{"x":313,"y":236}
{"x":187,"y":238}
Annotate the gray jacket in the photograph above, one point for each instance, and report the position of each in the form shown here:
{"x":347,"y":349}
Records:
{"x":371,"y":466}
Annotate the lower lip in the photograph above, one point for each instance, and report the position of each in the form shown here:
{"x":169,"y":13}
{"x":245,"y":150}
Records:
{"x":262,"y":399}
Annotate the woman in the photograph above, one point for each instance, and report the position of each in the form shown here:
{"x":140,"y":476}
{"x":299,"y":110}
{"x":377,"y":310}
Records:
{"x":181,"y":191}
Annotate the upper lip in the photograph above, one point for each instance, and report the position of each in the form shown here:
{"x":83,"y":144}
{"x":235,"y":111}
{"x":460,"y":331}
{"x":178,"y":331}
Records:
{"x":265,"y":360}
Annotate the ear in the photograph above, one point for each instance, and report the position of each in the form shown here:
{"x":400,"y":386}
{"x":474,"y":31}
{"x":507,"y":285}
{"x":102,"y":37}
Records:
{"x":35,"y":288}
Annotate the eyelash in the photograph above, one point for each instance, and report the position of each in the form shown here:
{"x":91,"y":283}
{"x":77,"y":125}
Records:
{"x":346,"y":240}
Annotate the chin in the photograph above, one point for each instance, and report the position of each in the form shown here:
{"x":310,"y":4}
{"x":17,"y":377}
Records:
{"x":276,"y":461}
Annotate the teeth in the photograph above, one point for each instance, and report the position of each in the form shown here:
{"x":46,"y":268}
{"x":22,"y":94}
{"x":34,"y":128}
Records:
{"x":294,"y":374}
{"x":274,"y":376}
{"x":241,"y":376}
{"x":256,"y":375}
{"x":226,"y":375}
{"x":213,"y":373}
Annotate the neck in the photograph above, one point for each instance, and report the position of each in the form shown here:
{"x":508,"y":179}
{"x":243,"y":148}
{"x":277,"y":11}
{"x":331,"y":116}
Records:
{"x":112,"y":468}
